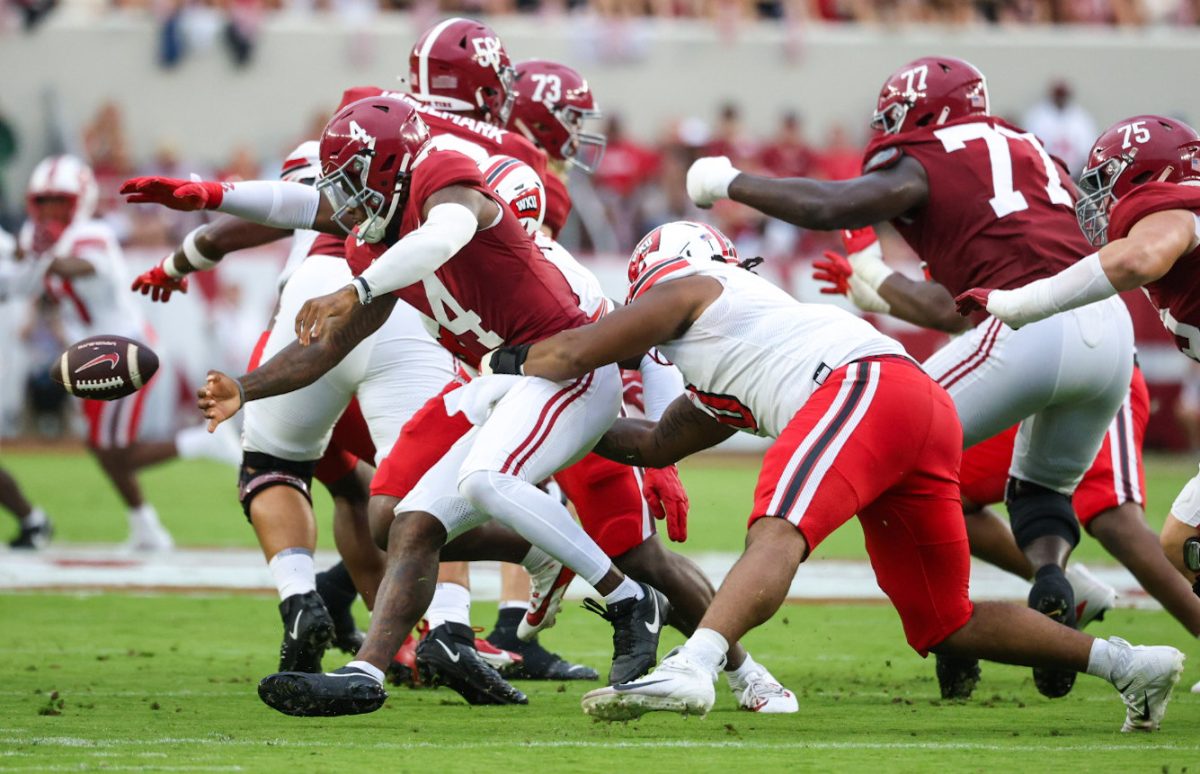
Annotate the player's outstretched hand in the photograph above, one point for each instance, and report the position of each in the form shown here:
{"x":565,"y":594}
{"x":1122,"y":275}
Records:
{"x":834,"y":271}
{"x":478,"y":397}
{"x":974,"y":300}
{"x":314,"y":316}
{"x":156,"y":284}
{"x":172,"y":192}
{"x":667,"y":499}
{"x":708,"y":179}
{"x":219,"y":399}
{"x":855,"y":240}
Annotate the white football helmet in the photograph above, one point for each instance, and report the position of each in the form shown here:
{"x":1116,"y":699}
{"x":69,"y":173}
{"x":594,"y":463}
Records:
{"x":64,"y":176}
{"x":303,"y":165}
{"x":679,"y":248}
{"x":519,"y":186}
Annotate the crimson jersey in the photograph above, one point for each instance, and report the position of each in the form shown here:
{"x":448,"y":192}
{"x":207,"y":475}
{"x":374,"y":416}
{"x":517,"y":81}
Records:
{"x":1000,"y":212}
{"x":558,"y":204}
{"x":1176,"y":295}
{"x":499,"y":289}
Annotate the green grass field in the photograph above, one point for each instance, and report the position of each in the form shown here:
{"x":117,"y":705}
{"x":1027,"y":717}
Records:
{"x":166,"y":682}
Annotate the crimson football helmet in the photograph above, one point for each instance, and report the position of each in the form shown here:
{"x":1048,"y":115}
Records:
{"x":553,"y":102}
{"x":67,"y":179}
{"x":368,"y":151}
{"x":1137,"y":150}
{"x":681,"y":246}
{"x":461,"y":66}
{"x":929,"y":92}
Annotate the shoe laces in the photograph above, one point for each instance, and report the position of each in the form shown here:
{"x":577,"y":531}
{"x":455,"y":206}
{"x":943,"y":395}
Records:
{"x":623,"y":642}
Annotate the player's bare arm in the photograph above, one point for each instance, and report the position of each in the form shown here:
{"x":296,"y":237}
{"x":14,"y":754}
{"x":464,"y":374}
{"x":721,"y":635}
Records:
{"x":1146,"y":254}
{"x":660,"y":314}
{"x":451,"y":218}
{"x":293,"y":367}
{"x":682,"y":431}
{"x":69,"y":266}
{"x":224,"y":235}
{"x":816,"y":204}
{"x":927,"y":304}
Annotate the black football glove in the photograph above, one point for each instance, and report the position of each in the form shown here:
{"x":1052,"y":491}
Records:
{"x":509,"y":360}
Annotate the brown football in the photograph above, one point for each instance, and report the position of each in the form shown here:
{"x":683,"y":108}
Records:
{"x":104,"y":367}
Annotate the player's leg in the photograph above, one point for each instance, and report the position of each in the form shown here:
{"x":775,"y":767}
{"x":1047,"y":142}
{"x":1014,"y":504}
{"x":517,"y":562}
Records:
{"x":537,"y":429}
{"x":36,"y":528}
{"x":1181,"y":525}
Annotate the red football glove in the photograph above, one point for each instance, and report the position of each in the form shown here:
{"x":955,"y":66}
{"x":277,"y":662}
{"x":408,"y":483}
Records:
{"x":667,"y":499}
{"x":835,"y":272}
{"x":974,"y":300}
{"x":173,"y":192}
{"x":156,"y":284}
{"x":858,"y":239}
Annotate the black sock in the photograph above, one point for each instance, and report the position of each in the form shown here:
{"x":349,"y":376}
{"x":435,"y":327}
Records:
{"x":336,"y":587}
{"x":509,"y":617}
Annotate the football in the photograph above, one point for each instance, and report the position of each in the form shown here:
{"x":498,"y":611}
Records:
{"x":104,"y":367}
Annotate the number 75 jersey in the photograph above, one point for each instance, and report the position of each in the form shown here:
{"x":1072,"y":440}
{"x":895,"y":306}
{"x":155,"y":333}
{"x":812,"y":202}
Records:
{"x":1000,"y":212}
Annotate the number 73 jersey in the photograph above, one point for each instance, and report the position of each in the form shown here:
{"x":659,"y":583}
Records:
{"x":499,"y":289}
{"x":1000,"y":212}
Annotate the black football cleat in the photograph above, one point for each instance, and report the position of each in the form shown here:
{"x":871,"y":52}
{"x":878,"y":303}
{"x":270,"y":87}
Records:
{"x":536,"y":662}
{"x":957,"y":677}
{"x":637,"y":625}
{"x":337,"y":591}
{"x":1052,"y":596}
{"x":307,"y":632}
{"x":346,"y":691}
{"x":33,"y":538}
{"x":447,"y":656}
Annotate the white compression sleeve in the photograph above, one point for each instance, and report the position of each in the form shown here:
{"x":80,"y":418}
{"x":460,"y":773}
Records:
{"x":447,"y":229}
{"x":272,"y":203}
{"x":1078,"y":285}
{"x":661,"y":384}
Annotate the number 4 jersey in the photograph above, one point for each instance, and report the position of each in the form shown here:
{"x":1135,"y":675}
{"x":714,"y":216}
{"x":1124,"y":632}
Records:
{"x":1000,"y":212}
{"x":499,"y":289}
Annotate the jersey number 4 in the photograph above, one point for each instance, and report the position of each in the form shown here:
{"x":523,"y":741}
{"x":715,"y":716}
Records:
{"x":452,"y":318}
{"x":1005,"y":198}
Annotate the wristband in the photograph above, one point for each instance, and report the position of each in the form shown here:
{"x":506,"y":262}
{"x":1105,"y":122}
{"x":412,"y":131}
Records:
{"x":241,"y":394}
{"x":168,"y":267}
{"x":196,"y":259}
{"x":365,"y":296}
{"x":869,"y":267}
{"x":510,"y":360}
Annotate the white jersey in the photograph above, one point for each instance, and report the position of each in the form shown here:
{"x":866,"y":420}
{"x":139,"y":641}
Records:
{"x":756,"y":354}
{"x":92,"y":304}
{"x":583,"y":283}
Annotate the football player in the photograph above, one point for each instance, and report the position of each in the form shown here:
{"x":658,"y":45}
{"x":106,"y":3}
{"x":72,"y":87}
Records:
{"x":75,"y":260}
{"x":982,"y":203}
{"x":1108,"y":502}
{"x":859,"y":428}
{"x":426,"y":228}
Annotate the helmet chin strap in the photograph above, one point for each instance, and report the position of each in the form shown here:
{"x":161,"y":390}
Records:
{"x":375,"y":231}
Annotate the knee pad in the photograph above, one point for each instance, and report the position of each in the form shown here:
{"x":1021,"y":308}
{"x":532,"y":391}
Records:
{"x":1036,"y":511}
{"x":262,"y":471}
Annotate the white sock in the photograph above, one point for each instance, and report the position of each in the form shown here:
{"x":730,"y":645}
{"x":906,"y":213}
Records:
{"x":509,"y":604}
{"x":742,"y":671}
{"x":1100,"y":660}
{"x":535,"y":559}
{"x":707,"y":647}
{"x":372,"y":670}
{"x":293,"y":571}
{"x":35,"y":518}
{"x":451,"y":602}
{"x":143,"y":516}
{"x":538,"y":518}
{"x":627,"y":590}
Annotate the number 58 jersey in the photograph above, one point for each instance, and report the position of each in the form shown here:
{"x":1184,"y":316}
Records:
{"x":1000,"y":212}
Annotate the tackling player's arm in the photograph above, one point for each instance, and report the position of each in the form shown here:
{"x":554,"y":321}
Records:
{"x":927,"y":304}
{"x":663,"y":312}
{"x":70,"y":266}
{"x":451,"y":217}
{"x":1145,"y":254}
{"x":682,"y":431}
{"x":293,"y":367}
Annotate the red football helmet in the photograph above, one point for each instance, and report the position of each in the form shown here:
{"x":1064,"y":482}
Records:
{"x":929,"y":92}
{"x":368,"y":150}
{"x":553,"y":102}
{"x":1137,"y":150}
{"x":460,"y":65}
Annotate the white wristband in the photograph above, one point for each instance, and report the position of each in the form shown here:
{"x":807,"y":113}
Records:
{"x":168,"y":267}
{"x":196,"y":259}
{"x":869,"y":267}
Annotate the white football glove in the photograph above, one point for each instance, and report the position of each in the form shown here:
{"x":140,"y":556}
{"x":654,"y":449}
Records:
{"x":477,"y":399}
{"x":708,"y":179}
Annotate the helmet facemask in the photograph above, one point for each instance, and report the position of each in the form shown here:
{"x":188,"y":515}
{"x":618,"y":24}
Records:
{"x":1096,"y":187}
{"x":890,"y":119}
{"x":583,"y":149}
{"x":499,"y":109}
{"x":347,"y":190}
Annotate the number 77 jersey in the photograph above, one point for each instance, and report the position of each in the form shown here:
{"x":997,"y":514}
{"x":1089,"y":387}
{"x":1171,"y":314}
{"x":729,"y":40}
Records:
{"x":1000,"y":212}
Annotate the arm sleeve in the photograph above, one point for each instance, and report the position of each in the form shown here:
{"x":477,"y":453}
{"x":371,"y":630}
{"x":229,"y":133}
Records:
{"x":447,"y":230}
{"x":1080,"y":284}
{"x":661,"y":385}
{"x":272,"y":203}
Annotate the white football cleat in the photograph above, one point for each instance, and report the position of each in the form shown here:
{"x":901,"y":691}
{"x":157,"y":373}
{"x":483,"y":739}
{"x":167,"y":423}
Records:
{"x":759,"y":691}
{"x":148,"y":537}
{"x":1145,"y":676}
{"x":1196,"y":688}
{"x":1093,"y":597}
{"x":548,"y":583}
{"x":678,"y":684}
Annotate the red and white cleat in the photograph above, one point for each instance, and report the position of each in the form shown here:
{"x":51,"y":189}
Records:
{"x":549,"y":583}
{"x":499,"y":658}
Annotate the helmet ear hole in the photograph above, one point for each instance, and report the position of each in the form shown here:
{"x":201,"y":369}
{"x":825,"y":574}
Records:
{"x":1143,"y":178}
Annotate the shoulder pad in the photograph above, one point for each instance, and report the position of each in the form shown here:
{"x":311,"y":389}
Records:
{"x":883,"y":159}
